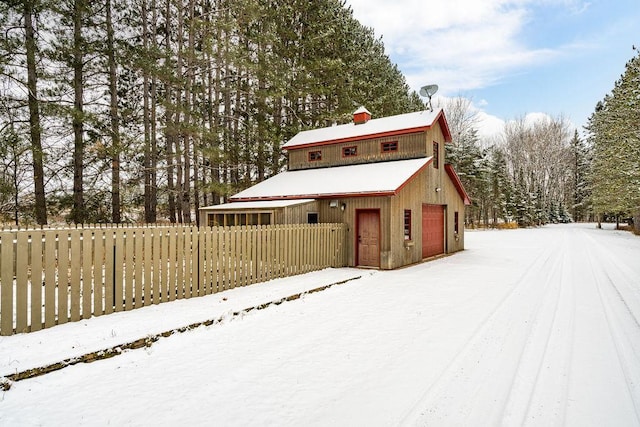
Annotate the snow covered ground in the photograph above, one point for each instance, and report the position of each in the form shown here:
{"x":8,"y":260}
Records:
{"x":525,"y":327}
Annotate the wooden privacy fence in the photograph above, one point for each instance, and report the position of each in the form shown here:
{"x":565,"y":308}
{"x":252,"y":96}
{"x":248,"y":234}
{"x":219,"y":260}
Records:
{"x":50,"y":277}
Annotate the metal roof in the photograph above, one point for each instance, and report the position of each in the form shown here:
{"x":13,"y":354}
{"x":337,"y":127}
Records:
{"x":369,"y":179}
{"x":260,"y":204}
{"x":392,"y":125}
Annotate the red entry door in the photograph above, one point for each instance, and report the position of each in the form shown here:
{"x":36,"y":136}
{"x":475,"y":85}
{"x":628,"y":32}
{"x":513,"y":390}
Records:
{"x":368,"y":238}
{"x":432,"y":230}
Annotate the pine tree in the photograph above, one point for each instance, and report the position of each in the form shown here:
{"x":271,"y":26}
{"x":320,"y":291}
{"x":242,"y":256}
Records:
{"x":615,"y":137}
{"x":578,"y":175}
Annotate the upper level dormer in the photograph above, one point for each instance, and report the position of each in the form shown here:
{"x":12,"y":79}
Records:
{"x":367,"y":140}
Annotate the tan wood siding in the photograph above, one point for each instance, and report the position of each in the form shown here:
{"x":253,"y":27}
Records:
{"x":348,"y":216}
{"x":409,"y":146}
{"x":410,"y":197}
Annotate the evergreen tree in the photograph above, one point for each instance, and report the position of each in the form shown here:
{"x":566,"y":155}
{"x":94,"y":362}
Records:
{"x":578,"y":176}
{"x":615,"y":137}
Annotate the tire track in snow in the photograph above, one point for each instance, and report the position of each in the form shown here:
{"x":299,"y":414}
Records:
{"x":474,"y":368}
{"x":630,"y":295}
{"x":540,"y":386}
{"x":618,"y":320}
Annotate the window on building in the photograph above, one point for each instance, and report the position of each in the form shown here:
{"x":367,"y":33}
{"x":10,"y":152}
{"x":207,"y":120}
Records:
{"x":455,"y":222}
{"x":265,"y":218}
{"x":407,"y":224}
{"x":215,"y":220}
{"x":236,"y":219}
{"x":312,"y":217}
{"x":252,"y":219}
{"x":436,"y":155}
{"x":349,"y":151}
{"x":388,"y":147}
{"x":314,"y":156}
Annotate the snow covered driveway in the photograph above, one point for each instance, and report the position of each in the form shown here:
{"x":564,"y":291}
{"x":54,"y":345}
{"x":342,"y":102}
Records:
{"x":525,"y":327}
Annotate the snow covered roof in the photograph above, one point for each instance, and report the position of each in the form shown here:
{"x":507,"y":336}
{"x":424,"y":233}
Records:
{"x":362,"y":109}
{"x":374,"y":128}
{"x":260,"y":204}
{"x":370,"y":179}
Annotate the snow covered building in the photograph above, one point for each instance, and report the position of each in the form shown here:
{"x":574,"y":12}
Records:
{"x":385,"y":178}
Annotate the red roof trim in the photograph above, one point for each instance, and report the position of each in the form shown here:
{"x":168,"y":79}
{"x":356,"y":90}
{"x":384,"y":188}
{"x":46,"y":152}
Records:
{"x":414,"y":175}
{"x":457,"y":183}
{"x":442,"y":120}
{"x":362,"y":137}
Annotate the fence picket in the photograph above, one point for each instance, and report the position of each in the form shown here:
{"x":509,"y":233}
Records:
{"x":253,"y":259}
{"x":185,"y":287}
{"x":173,"y":263}
{"x":87,"y":267}
{"x":74,"y":279}
{"x":207,"y":240}
{"x":22,"y":248}
{"x":138,"y":236}
{"x":244,"y":233}
{"x":50,"y":278}
{"x":6,"y":287}
{"x":109,"y":271}
{"x":63,"y":277}
{"x":157,"y":277}
{"x":128,"y":270}
{"x":118,"y":262}
{"x":233,"y":267}
{"x":164,"y":267}
{"x":98,"y":272}
{"x":148,"y":265}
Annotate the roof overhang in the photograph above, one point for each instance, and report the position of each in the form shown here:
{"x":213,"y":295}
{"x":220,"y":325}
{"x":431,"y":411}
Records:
{"x":362,"y":180}
{"x":442,"y":121}
{"x":258,"y":205}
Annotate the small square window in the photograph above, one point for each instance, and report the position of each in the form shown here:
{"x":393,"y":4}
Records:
{"x":315,"y":156}
{"x":349,"y":151}
{"x":312,"y":217}
{"x":388,"y":147}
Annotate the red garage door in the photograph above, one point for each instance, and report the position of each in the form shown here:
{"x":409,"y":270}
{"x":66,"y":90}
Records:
{"x":432,"y":230}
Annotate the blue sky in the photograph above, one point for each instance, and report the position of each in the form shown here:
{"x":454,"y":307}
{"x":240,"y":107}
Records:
{"x":510,"y":57}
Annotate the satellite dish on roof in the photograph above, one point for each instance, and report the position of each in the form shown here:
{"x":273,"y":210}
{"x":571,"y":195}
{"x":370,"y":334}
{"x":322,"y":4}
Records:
{"x":428,"y":91}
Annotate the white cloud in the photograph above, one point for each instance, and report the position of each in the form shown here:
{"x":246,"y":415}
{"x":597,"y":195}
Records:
{"x":460,"y":45}
{"x":489,"y":127}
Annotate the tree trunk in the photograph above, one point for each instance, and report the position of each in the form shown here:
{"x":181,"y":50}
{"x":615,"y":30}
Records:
{"x":170,"y":123}
{"x":34,"y":115}
{"x":115,"y":121}
{"x":153,"y":173}
{"x":78,"y":215}
{"x":148,"y":217}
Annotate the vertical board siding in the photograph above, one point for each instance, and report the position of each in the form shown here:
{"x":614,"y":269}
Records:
{"x":50,"y":277}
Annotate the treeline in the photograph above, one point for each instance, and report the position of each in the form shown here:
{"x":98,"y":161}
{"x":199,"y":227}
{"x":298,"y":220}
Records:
{"x":538,"y":171}
{"x":145,"y":110}
{"x":534,"y":172}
